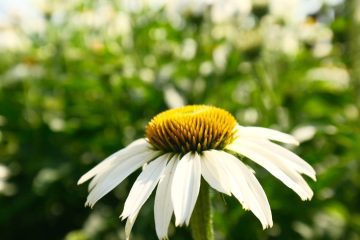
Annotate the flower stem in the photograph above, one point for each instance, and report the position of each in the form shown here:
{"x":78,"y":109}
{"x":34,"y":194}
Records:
{"x":201,"y":220}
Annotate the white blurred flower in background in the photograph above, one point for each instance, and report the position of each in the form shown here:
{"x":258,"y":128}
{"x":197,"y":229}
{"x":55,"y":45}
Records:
{"x":334,"y":77}
{"x":304,"y":133}
{"x":279,"y":38}
{"x":12,"y":40}
{"x":317,"y":34}
{"x":284,"y":29}
{"x":173,"y":98}
{"x":6,"y":188}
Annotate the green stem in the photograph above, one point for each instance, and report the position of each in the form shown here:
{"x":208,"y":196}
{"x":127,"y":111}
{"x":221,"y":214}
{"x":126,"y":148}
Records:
{"x":201,"y":220}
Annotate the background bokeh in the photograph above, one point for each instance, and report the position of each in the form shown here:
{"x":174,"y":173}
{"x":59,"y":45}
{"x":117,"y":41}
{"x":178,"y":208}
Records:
{"x":80,"y":80}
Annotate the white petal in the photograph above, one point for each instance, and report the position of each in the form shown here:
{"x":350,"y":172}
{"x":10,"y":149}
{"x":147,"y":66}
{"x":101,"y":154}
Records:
{"x":185,"y":187}
{"x":214,"y":172}
{"x":266,"y":133}
{"x":144,"y":185}
{"x":225,"y":175}
{"x":134,"y":148}
{"x":117,"y":174}
{"x":163,"y":208}
{"x":270,"y":162}
{"x":130,"y":223}
{"x":286,"y":156}
{"x":246,"y":187}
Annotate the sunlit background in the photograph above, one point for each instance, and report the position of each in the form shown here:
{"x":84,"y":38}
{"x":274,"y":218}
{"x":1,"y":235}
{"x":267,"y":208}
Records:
{"x":80,"y":80}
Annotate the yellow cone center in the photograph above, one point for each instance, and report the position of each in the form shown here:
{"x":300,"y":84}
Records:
{"x":191,"y":128}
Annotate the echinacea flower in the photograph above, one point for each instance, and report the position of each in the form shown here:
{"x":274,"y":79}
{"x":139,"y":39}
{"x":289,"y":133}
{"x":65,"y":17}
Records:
{"x":185,"y":143}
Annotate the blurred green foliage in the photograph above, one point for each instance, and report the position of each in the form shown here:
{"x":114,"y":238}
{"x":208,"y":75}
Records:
{"x":87,"y":82}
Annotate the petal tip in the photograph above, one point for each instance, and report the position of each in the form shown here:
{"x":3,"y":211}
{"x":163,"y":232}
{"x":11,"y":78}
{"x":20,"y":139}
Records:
{"x":313,"y":177}
{"x":307,"y":198}
{"x":81,"y":181}
{"x":267,"y":226}
{"x":90,"y":204}
{"x":295,"y":142}
{"x":179,"y":223}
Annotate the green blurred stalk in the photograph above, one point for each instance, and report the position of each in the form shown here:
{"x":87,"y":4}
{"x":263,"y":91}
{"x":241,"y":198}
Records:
{"x":353,"y":44}
{"x":201,"y":223}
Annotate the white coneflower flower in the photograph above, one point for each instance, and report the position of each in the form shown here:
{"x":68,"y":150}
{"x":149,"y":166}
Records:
{"x":183,"y":144}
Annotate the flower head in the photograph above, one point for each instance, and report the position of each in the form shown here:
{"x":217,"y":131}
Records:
{"x":183,"y":144}
{"x":191,"y":128}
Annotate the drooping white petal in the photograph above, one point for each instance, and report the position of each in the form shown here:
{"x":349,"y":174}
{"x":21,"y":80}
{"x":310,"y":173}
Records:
{"x":223,"y":168}
{"x":185,"y":187}
{"x":117,"y":174}
{"x":144,"y":185}
{"x":266,"y":133}
{"x":270,"y":162}
{"x":245,"y":187}
{"x":284,"y":155}
{"x":130,"y":223}
{"x":163,"y":208}
{"x":214,"y":172}
{"x":136,"y":147}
